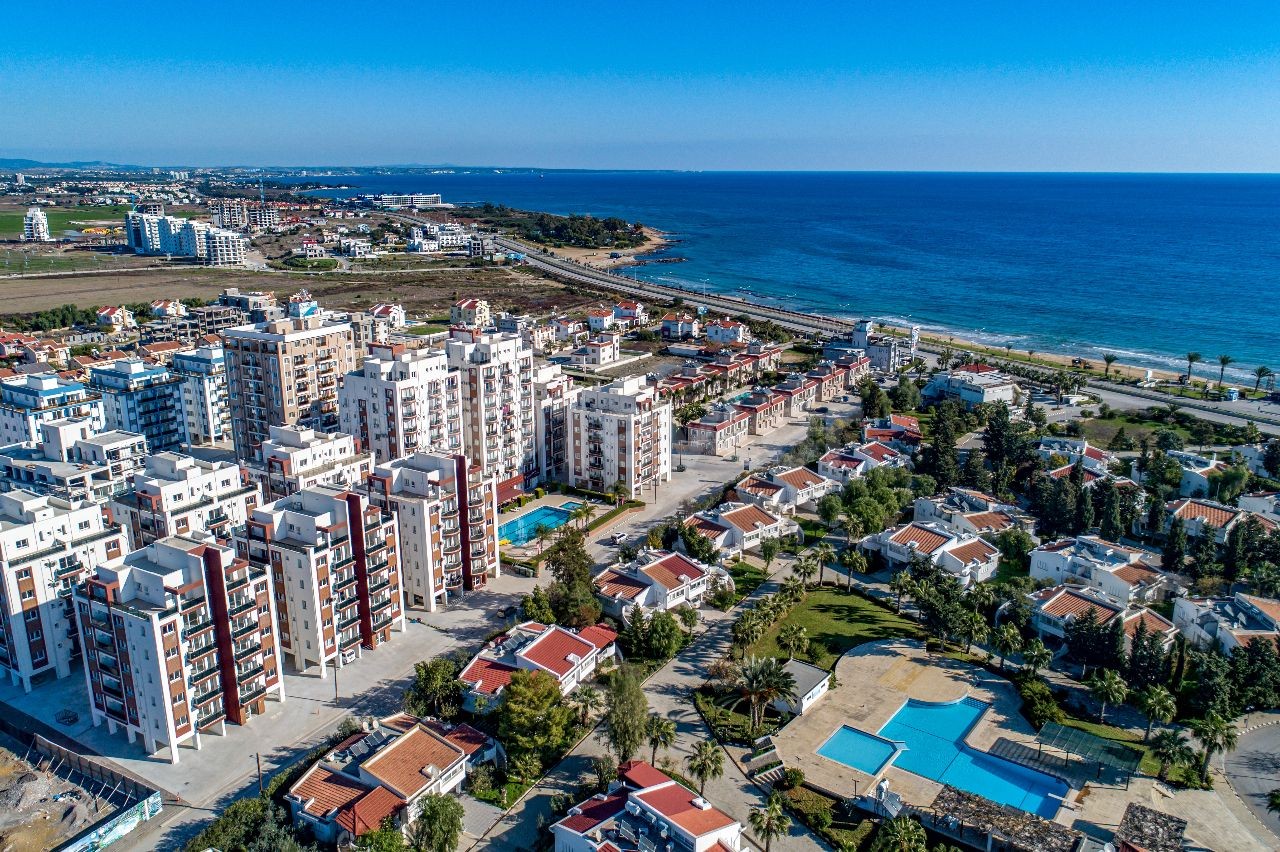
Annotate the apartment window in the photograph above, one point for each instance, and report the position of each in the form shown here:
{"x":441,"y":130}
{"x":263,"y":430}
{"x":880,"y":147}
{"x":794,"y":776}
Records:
{"x":171,"y":652}
{"x":176,"y":674}
{"x":167,"y":629}
{"x":21,"y":543}
{"x":35,"y":635}
{"x":84,"y":525}
{"x":38,"y":657}
{"x":28,"y":595}
{"x":24,"y":574}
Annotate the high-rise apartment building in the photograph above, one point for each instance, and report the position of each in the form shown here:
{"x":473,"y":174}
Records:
{"x":553,"y":395}
{"x":285,"y":373}
{"x":335,"y":570}
{"x":142,"y":398}
{"x":206,"y":408}
{"x":27,"y":402}
{"x":496,"y":373}
{"x":74,"y":460}
{"x":177,"y":494}
{"x":294,"y":459}
{"x":446,"y":513}
{"x":47,"y":546}
{"x":401,"y":401}
{"x":225,"y":248}
{"x":621,"y":432}
{"x":35,"y":226}
{"x":178,"y":638}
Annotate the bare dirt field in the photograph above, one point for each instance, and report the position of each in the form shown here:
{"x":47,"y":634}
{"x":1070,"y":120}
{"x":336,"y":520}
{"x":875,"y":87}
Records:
{"x":31,"y":818}
{"x":422,"y":292}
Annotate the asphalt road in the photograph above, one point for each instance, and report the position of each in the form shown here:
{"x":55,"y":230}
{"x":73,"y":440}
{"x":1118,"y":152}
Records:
{"x":1254,"y":771}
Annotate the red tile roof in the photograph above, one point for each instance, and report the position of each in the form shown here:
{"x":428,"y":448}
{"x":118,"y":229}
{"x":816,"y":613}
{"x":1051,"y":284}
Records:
{"x":676,"y":803}
{"x":367,"y":812}
{"x":705,"y":526}
{"x":552,"y":649}
{"x":599,"y":635}
{"x":403,"y":764}
{"x":976,"y":550}
{"x":594,"y":811}
{"x":1208,"y":513}
{"x":995,"y":521}
{"x":461,"y":735}
{"x":756,"y":485}
{"x":748,"y":518}
{"x":487,"y":676}
{"x":1155,"y":622}
{"x":325,"y":791}
{"x":1134,"y":574}
{"x":639,"y":774}
{"x":926,"y":540}
{"x":800,"y":478}
{"x":1060,"y":603}
{"x":614,"y":583}
{"x":1270,"y":606}
{"x":667,"y":571}
{"x":879,"y":452}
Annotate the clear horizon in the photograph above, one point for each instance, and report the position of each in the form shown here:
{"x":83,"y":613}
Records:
{"x":927,"y":86}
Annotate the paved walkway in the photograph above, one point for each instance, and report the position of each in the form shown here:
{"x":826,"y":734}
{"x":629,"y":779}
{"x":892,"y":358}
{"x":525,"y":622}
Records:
{"x":669,"y":693}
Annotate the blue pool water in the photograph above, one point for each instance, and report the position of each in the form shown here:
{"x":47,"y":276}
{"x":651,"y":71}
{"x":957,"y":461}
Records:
{"x":932,"y":738}
{"x":524,"y":529}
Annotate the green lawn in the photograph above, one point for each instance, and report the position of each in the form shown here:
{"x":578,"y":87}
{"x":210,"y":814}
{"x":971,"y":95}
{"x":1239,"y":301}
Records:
{"x":19,"y":262}
{"x":746,"y":577}
{"x":64,"y":219}
{"x":424,"y":329}
{"x":836,"y":621}
{"x":1100,"y":431}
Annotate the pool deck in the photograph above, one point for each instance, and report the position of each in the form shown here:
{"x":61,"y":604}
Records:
{"x":875,"y":680}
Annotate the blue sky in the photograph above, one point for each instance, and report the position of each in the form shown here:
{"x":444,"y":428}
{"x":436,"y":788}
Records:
{"x":1015,"y":86}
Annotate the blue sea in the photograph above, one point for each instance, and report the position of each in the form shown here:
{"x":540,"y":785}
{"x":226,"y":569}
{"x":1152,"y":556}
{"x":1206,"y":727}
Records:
{"x":1145,"y":266}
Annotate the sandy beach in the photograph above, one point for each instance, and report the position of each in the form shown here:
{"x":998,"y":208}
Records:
{"x":599,"y":258}
{"x":1118,"y":369}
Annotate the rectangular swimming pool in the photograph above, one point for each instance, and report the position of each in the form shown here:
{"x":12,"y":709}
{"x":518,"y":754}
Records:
{"x":524,"y":529}
{"x":931,"y":739}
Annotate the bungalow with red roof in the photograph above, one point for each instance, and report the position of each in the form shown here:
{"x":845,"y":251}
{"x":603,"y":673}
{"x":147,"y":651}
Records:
{"x":162,"y":352}
{"x":1198,"y":514}
{"x":394,"y":315}
{"x":1072,"y":450}
{"x":381,"y":773}
{"x":721,"y":431}
{"x":472,"y":313}
{"x":680,"y":326}
{"x":567,"y":329}
{"x":600,"y":319}
{"x":646,"y":810}
{"x":1227,"y":623}
{"x":739,"y":527}
{"x":900,"y":431}
{"x":657,"y":581}
{"x":1052,"y":609}
{"x":967,"y":557}
{"x":726,"y":331}
{"x":876,"y":454}
{"x":966,"y":511}
{"x":116,"y":319}
{"x":793,"y":488}
{"x":11,"y":344}
{"x":629,"y":313}
{"x":1197,"y":472}
{"x":1125,"y":574}
{"x":842,"y":465}
{"x":568,"y":657}
{"x":161,"y":308}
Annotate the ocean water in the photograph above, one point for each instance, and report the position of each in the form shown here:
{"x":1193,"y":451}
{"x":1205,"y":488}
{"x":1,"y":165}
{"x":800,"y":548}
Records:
{"x":1146,"y":266}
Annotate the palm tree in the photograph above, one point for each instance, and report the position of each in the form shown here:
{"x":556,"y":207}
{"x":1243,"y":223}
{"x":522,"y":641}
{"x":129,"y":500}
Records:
{"x":661,"y":733}
{"x":1273,"y":801}
{"x":1109,"y":688}
{"x":588,"y":700}
{"x":793,"y":639}
{"x":747,"y":630}
{"x":706,"y":762}
{"x":1158,"y":705}
{"x":1259,"y":374}
{"x":901,"y":834}
{"x":1036,"y":655}
{"x":1007,"y":641}
{"x":902,"y":586}
{"x":619,"y":492}
{"x":852,"y":526}
{"x":792,"y":589}
{"x":1108,"y":359}
{"x":1215,"y":734}
{"x":1193,"y":358}
{"x":543,"y":534}
{"x":980,"y":596}
{"x":805,"y":568}
{"x":974,"y":628}
{"x":854,"y":563}
{"x":1171,"y":748}
{"x":770,"y":821}
{"x":587,"y":511}
{"x":761,"y":682}
{"x":1223,"y":361}
{"x":824,"y":553}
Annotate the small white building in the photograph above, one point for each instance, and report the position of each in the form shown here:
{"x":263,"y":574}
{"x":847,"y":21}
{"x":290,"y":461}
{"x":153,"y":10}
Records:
{"x":811,"y":684}
{"x":727,"y":332}
{"x":783,"y":489}
{"x":657,"y":581}
{"x":968,"y":558}
{"x":739,"y":527}
{"x":472,"y":313}
{"x":568,"y":657}
{"x":600,"y":319}
{"x":680,"y":326}
{"x":1227,"y":623}
{"x":972,"y":385}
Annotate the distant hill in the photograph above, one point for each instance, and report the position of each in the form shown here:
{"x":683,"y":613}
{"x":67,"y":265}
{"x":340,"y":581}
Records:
{"x":18,"y":163}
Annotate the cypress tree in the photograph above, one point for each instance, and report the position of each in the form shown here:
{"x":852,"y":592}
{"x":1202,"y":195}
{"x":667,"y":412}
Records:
{"x":1112,"y":527}
{"x":1174,"y":556}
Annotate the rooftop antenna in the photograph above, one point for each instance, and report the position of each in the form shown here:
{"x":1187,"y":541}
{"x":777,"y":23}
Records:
{"x":262,"y":193}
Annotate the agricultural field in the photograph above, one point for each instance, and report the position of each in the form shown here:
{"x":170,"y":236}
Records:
{"x":62,"y":219}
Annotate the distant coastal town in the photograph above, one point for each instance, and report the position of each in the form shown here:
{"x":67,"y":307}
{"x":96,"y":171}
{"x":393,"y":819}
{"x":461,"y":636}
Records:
{"x":393,"y":523}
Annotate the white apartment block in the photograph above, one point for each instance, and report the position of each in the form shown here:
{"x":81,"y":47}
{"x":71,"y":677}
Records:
{"x":74,"y":460}
{"x":206,"y":406}
{"x":47,"y":547}
{"x":473,"y":313}
{"x":31,"y":400}
{"x":176,"y":494}
{"x":225,"y":248}
{"x":554,"y":393}
{"x":295,"y":458}
{"x":496,"y":372}
{"x":447,"y":518}
{"x":401,"y":401}
{"x":35,"y":226}
{"x":179,"y":638}
{"x":620,"y":432}
{"x":332,"y":559}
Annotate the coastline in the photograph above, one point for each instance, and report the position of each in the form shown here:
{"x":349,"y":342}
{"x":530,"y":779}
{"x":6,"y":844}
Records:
{"x":599,"y":258}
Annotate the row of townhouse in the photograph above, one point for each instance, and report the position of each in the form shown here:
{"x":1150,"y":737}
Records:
{"x":656,"y":581}
{"x":857,"y":460}
{"x":736,"y":527}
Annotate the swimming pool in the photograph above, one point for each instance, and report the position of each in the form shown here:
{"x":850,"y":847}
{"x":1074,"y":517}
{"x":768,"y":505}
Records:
{"x":931,"y":736}
{"x":524,"y":529}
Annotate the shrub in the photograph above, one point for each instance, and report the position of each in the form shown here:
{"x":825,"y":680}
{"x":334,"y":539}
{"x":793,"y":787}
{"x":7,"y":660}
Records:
{"x":791,"y":779}
{"x":1038,"y":704}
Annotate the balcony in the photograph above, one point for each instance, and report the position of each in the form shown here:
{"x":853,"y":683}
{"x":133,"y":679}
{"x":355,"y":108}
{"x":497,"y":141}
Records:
{"x":248,"y":674}
{"x":245,"y":629}
{"x":379,"y":585}
{"x":242,"y":607}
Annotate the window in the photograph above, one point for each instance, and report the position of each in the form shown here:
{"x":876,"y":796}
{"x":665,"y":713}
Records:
{"x":24,"y":574}
{"x":28,"y":595}
{"x":33,"y":615}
